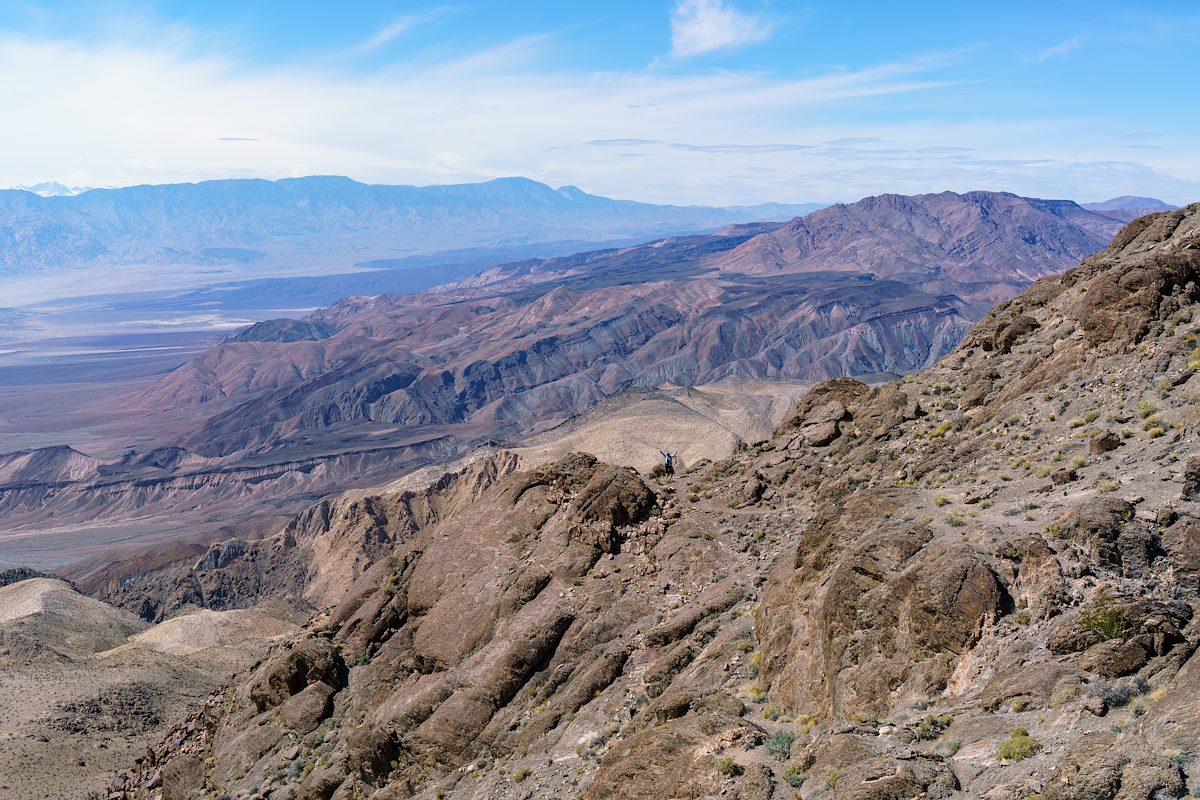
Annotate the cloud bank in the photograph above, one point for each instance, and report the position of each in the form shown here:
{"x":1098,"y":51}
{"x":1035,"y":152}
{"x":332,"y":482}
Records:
{"x":116,"y":114}
{"x":706,"y":26}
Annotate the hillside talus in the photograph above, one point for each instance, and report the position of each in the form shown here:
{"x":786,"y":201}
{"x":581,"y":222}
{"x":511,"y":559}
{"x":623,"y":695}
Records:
{"x":976,"y":582}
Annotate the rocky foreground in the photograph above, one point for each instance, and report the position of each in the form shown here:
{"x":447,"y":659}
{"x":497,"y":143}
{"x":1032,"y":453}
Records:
{"x":979,"y":582}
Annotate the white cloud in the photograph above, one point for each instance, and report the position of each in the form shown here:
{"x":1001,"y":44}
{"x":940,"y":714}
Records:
{"x":705,"y":26}
{"x":396,"y":28}
{"x":110,"y":115}
{"x":1059,"y":50}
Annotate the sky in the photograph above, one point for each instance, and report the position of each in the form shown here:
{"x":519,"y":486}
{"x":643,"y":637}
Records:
{"x":682,"y":101}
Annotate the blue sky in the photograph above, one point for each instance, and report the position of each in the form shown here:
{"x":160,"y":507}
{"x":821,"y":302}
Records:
{"x":686,"y":101}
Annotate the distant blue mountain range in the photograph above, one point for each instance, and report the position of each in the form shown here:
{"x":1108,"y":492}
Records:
{"x":242,"y":222}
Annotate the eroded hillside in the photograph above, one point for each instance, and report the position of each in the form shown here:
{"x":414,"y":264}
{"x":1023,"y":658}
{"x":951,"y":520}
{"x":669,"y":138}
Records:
{"x":290,"y":411}
{"x":977,"y":582}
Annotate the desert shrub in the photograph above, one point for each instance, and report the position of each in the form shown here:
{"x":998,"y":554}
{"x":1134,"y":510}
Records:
{"x":793,"y":776}
{"x":831,"y":780}
{"x":1119,"y":692}
{"x":728,"y":767}
{"x":805,"y":723}
{"x":1061,"y":697}
{"x":779,"y":744}
{"x":932,"y":727}
{"x":521,"y":774}
{"x":1157,"y":695}
{"x":947,"y":747}
{"x":1103,"y":618}
{"x":1017,"y":745}
{"x":1146,"y":408}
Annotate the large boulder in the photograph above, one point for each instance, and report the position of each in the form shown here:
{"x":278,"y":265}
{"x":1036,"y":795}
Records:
{"x":308,"y":661}
{"x":1108,"y":767}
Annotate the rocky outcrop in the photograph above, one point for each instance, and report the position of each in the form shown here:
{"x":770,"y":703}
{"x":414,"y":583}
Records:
{"x":911,"y":608}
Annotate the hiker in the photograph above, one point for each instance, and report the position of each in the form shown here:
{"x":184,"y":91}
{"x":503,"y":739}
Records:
{"x":669,"y":461}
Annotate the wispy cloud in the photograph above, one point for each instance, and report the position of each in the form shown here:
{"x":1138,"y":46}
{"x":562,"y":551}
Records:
{"x":159,"y":113}
{"x":237,"y":139}
{"x":394,"y":29}
{"x":851,"y":141}
{"x":1059,"y":50}
{"x":622,"y":142}
{"x":705,"y":26}
{"x":741,"y":148}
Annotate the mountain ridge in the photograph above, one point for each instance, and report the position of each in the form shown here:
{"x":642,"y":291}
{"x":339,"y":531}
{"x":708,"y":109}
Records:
{"x":375,"y":385}
{"x":239,"y":221}
{"x":979,"y":581}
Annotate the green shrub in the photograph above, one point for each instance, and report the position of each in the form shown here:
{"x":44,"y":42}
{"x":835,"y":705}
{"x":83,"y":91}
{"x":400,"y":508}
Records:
{"x":522,"y":774}
{"x":831,"y":780}
{"x":779,"y":744}
{"x":1103,"y":618}
{"x":1017,"y":745}
{"x":947,"y":747}
{"x":727,"y":767}
{"x":1063,"y":696}
{"x":793,"y":776}
{"x":932,"y":727}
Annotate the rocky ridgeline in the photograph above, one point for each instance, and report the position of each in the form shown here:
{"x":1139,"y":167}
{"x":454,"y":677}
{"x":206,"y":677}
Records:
{"x":980,"y":581}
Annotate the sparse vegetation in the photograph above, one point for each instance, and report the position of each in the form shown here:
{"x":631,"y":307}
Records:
{"x":932,"y":727}
{"x":1103,"y":618}
{"x":1060,"y":697}
{"x":1017,"y":746}
{"x":793,"y":776}
{"x":1116,"y":694}
{"x":779,"y":744}
{"x":728,"y":767}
